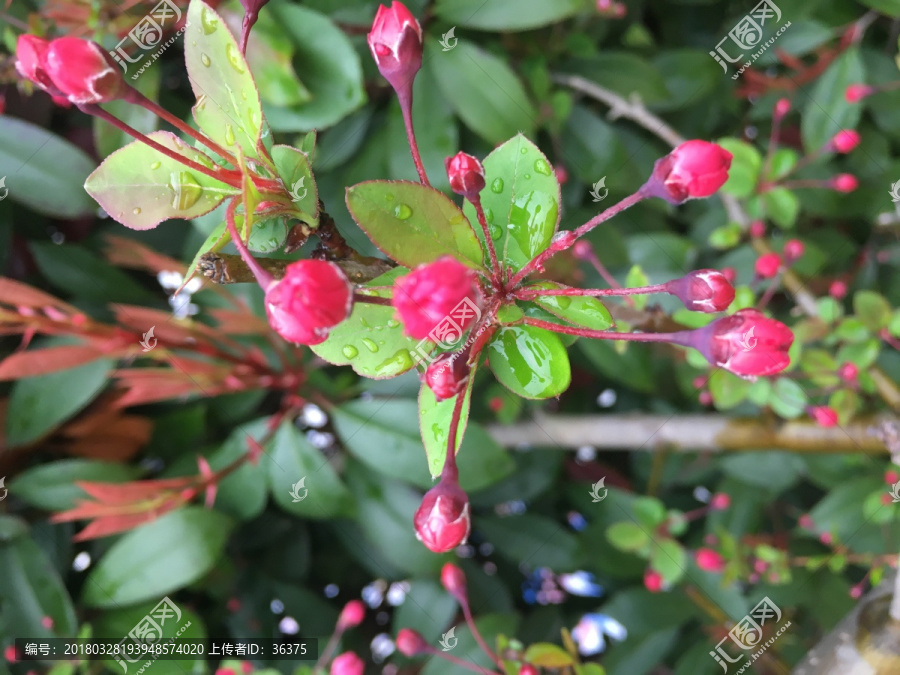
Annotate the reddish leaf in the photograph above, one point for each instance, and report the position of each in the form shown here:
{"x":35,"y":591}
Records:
{"x":135,"y":491}
{"x":103,"y":527}
{"x":49,"y":360}
{"x":124,"y":252}
{"x":18,"y":294}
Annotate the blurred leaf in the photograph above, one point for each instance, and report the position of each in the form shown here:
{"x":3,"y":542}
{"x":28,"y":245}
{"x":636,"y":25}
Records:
{"x":626,"y":74}
{"x":301,"y":479}
{"x":649,"y":511}
{"x":668,"y":558}
{"x":889,"y":7}
{"x":163,"y":556}
{"x":483,"y":90}
{"x":52,"y":486}
{"x":633,"y":369}
{"x":591,"y":147}
{"x":532,"y":540}
{"x":827,"y":112}
{"x":242,"y":493}
{"x":546,"y":655}
{"x":689,"y":75}
{"x":37,"y":405}
{"x":578,"y":310}
{"x":521,"y":202}
{"x":413,"y":223}
{"x":428,"y":608}
{"x":44,"y":172}
{"x":872,"y":309}
{"x":636,"y":278}
{"x":727,"y":390}
{"x":530,"y":362}
{"x":506,"y":15}
{"x":490,"y":626}
{"x":788,"y":399}
{"x":627,"y":536}
{"x":782,"y":206}
{"x":746,"y":164}
{"x":107,"y":138}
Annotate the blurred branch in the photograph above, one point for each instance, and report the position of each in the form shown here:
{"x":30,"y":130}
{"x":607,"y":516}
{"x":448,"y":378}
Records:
{"x":687,"y":433}
{"x":228,"y":268}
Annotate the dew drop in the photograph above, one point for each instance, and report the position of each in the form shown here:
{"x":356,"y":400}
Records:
{"x":349,"y":351}
{"x":389,"y":197}
{"x":370,"y":345}
{"x":234,"y":58}
{"x":136,"y":211}
{"x":542,"y":167}
{"x":243,"y":94}
{"x":563,"y":302}
{"x":364,"y":323}
{"x":524,"y":150}
{"x":497,"y":185}
{"x":489,"y":216}
{"x":392,"y":323}
{"x":204,"y":59}
{"x":402,"y":211}
{"x":208,"y":21}
{"x":155,"y":165}
{"x":229,"y":134}
{"x":186,"y":190}
{"x":527,"y":176}
{"x":496,"y":231}
{"x":398,"y":363}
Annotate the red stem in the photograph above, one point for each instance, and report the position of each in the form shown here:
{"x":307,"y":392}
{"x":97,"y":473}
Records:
{"x":405,"y":99}
{"x":371,"y":299}
{"x":262,"y":276}
{"x":680,"y":338}
{"x":460,"y":662}
{"x":601,"y":217}
{"x":467,"y":612}
{"x":495,"y":263}
{"x":450,"y":471}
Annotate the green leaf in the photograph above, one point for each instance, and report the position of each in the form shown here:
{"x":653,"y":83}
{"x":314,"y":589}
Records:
{"x":141,"y":187}
{"x":788,"y":398}
{"x":293,"y":167}
{"x":578,"y":310}
{"x":636,"y":278}
{"x":872,"y":309}
{"x":483,"y":90}
{"x":370,"y":340}
{"x":158,"y":558}
{"x":531,"y":540}
{"x":521,"y":201}
{"x":727,"y":236}
{"x":428,"y":608}
{"x":107,"y":138}
{"x":228,"y":108}
{"x":530,"y":362}
{"x":434,"y":423}
{"x":668,"y":558}
{"x":547,"y":655}
{"x":30,"y":586}
{"x":329,"y":65}
{"x":889,"y":7}
{"x":627,"y":536}
{"x":37,"y":405}
{"x":244,"y":492}
{"x":52,"y":486}
{"x":745,"y":167}
{"x":783,"y":160}
{"x":649,"y":511}
{"x":827,"y":112}
{"x":301,"y":479}
{"x":506,"y":15}
{"x":44,"y":172}
{"x":491,"y":626}
{"x":413,"y":223}
{"x":782,"y":206}
{"x":727,"y":390}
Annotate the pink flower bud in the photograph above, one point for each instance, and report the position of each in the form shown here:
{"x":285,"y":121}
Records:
{"x":410,"y":642}
{"x":348,"y":663}
{"x":887,"y":499}
{"x":730,"y":274}
{"x":454,"y":580}
{"x":782,"y":108}
{"x":352,"y":615}
{"x":396,"y":45}
{"x":760,"y":566}
{"x":857,"y":591}
{"x":826,"y":538}
{"x":30,"y":54}
{"x":705,"y":398}
{"x":447,"y":375}
{"x":466,"y":175}
{"x":747,"y":343}
{"x":442,"y":521}
{"x":793,"y":250}
{"x":583,"y":250}
{"x":837,"y":290}
{"x":824,"y":416}
{"x":313,"y":297}
{"x":703,"y":291}
{"x":83,"y":71}
{"x":653,"y":580}
{"x":757,"y":229}
{"x":844,"y":182}
{"x":806,"y":522}
{"x":891,"y":476}
{"x":427,"y":295}
{"x":720,"y":501}
{"x":767,"y":265}
{"x":844,"y":141}
{"x":848,"y":372}
{"x":694,"y":169}
{"x":562,"y":174}
{"x":528,"y":669}
{"x":709,"y":560}
{"x":854,"y":93}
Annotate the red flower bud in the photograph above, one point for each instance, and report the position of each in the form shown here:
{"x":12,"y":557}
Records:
{"x":837,"y":290}
{"x":848,"y":372}
{"x":410,"y":642}
{"x":528,"y":669}
{"x":83,"y":71}
{"x":891,"y":476}
{"x":693,"y":169}
{"x":730,"y":274}
{"x":562,"y":174}
{"x":854,"y":93}
{"x":352,"y":615}
{"x":466,"y":175}
{"x":703,"y":291}
{"x":844,"y":182}
{"x":844,"y":141}
{"x":396,"y":45}
{"x":653,"y":580}
{"x":705,"y":398}
{"x":782,"y":108}
{"x":767,"y":265}
{"x":747,"y":343}
{"x":793,"y":250}
{"x":757,"y":229}
{"x":806,"y":522}
{"x":348,"y":663}
{"x":428,"y":295}
{"x":313,"y":297}
{"x":824,"y":416}
{"x":454,"y":580}
{"x":720,"y":501}
{"x":709,"y":560}
{"x":442,"y":521}
{"x":447,"y":375}
{"x":30,"y":53}
{"x":583,"y":250}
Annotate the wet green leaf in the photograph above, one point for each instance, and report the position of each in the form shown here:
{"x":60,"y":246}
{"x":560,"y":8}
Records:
{"x":578,"y":310}
{"x":434,"y":422}
{"x":293,"y":167}
{"x":529,"y":361}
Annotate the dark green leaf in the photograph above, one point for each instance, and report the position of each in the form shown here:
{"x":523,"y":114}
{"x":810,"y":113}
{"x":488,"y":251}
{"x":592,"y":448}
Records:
{"x":889,"y":7}
{"x":52,"y":486}
{"x":490,"y":626}
{"x":827,"y":112}
{"x":530,"y":362}
{"x":668,"y":558}
{"x":533,"y":541}
{"x":506,"y":15}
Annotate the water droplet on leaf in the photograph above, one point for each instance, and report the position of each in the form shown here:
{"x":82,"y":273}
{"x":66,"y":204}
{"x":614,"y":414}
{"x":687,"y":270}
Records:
{"x":204,"y":59}
{"x":229,"y":134}
{"x":489,"y":216}
{"x":527,"y":176}
{"x":186,"y":190}
{"x":370,"y":345}
{"x":542,"y":167}
{"x":563,"y":302}
{"x":392,"y":323}
{"x":496,"y":231}
{"x":155,"y":165}
{"x":208,"y":21}
{"x":399,"y":362}
{"x":349,"y":351}
{"x":524,"y":150}
{"x":402,"y":211}
{"x":497,"y":185}
{"x":234,"y":58}
{"x":136,"y":211}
